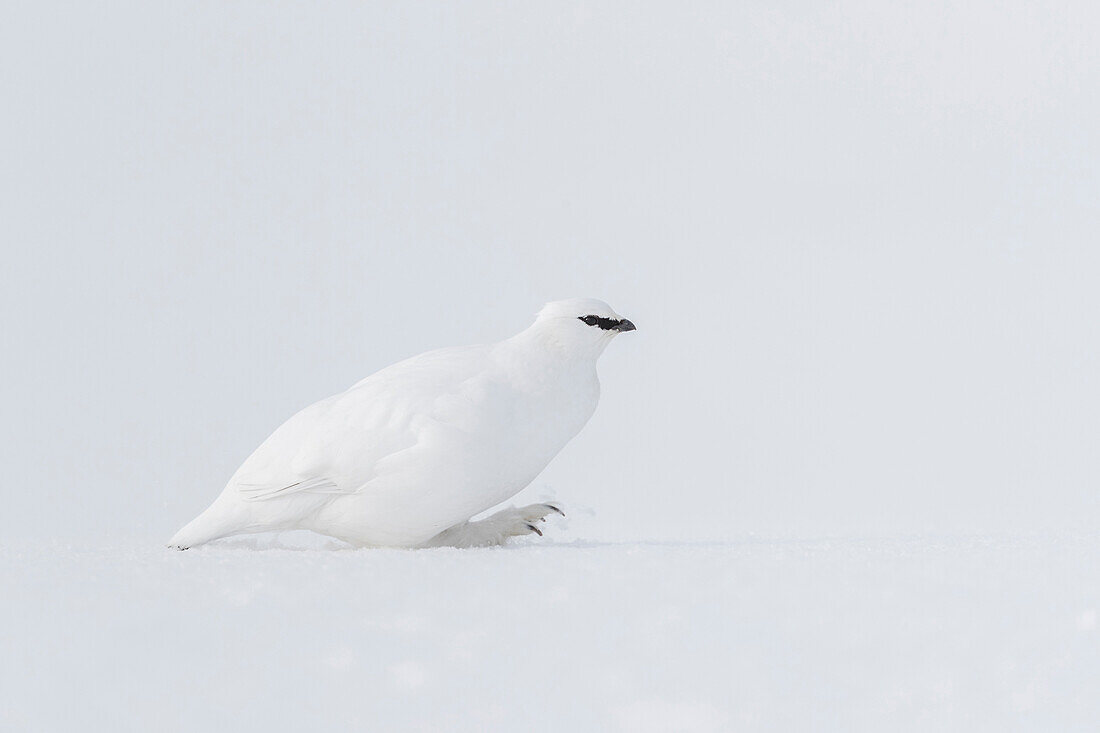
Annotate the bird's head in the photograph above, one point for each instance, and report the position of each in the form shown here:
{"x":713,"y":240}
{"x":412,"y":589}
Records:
{"x":584,"y":324}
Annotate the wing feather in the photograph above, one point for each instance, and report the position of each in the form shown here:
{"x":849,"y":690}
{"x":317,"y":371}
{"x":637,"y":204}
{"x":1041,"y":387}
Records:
{"x":339,"y":445}
{"x":261,"y":492}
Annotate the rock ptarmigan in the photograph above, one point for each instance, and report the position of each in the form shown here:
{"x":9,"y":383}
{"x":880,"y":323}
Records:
{"x":408,"y":455}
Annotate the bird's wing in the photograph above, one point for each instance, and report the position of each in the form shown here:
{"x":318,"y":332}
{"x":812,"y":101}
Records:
{"x":259,"y":492}
{"x":338,"y":445}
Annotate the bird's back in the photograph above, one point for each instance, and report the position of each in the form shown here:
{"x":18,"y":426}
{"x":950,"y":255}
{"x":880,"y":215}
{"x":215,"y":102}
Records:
{"x":343,"y":438}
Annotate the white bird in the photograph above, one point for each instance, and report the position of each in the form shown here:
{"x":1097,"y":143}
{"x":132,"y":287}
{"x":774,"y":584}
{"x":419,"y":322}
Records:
{"x":408,"y":455}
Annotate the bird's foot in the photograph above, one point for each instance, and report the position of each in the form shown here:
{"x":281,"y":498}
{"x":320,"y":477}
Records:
{"x":525,"y":520}
{"x":496,"y":528}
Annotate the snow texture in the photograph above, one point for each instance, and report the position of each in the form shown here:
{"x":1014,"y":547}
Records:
{"x":753,"y":634}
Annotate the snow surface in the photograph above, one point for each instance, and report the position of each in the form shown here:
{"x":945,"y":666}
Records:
{"x":294,"y":632}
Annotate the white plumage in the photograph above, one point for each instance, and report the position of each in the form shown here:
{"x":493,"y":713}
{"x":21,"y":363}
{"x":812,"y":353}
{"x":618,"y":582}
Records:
{"x":405,"y":457}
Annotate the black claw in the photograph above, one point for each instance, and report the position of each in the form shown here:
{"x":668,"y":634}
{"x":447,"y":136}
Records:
{"x":534,"y":529}
{"x":554,"y":508}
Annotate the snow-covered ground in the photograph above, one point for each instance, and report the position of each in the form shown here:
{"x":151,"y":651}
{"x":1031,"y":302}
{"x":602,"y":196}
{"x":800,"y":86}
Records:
{"x":298,"y":633}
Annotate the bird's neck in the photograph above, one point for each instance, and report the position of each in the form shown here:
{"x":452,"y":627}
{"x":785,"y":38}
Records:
{"x":547,"y":352}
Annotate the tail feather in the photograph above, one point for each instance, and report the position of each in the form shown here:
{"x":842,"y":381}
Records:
{"x":212,"y":524}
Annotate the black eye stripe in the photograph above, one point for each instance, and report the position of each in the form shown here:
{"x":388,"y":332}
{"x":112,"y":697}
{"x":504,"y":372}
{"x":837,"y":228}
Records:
{"x":605,"y":323}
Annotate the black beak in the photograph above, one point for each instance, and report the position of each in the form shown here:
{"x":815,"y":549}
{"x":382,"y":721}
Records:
{"x":624,"y":325}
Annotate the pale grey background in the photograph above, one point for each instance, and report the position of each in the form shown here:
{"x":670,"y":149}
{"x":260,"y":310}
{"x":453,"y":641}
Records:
{"x":859,"y":241}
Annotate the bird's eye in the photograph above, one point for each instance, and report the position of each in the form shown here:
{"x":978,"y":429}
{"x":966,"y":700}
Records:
{"x":590,"y":320}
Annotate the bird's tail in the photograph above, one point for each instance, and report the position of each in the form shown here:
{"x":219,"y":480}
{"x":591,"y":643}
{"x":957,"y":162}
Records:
{"x":212,"y":524}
